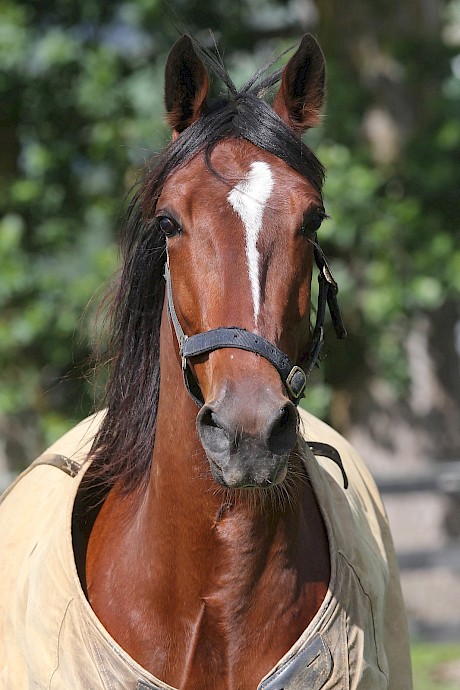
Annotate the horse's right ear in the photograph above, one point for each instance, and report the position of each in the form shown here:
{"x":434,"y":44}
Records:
{"x":186,"y":85}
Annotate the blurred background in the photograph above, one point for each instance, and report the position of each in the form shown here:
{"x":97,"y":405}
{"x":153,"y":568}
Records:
{"x":81,"y":109}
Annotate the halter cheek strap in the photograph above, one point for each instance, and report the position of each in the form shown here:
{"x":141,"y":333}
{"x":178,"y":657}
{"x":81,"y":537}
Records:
{"x":293,"y":376}
{"x":327,"y":296}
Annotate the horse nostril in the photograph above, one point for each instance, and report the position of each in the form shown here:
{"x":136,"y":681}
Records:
{"x":210,"y":419}
{"x":282,"y":432}
{"x":215,"y":421}
{"x":211,"y":432}
{"x":284,"y":417}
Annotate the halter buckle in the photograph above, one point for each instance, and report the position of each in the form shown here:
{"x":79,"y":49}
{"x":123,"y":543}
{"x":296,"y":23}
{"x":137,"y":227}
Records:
{"x":182,"y":342}
{"x":296,"y":382}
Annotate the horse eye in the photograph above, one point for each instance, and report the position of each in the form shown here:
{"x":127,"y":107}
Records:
{"x":168,"y":226}
{"x":312,"y":220}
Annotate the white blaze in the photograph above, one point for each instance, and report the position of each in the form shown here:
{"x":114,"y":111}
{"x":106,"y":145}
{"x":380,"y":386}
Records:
{"x":249,"y":199}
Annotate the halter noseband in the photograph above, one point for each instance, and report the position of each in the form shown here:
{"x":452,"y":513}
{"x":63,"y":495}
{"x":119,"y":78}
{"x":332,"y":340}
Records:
{"x":292,"y":375}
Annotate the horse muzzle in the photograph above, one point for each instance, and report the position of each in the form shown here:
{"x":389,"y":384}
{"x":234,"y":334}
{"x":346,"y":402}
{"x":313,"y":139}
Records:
{"x":248,"y":455}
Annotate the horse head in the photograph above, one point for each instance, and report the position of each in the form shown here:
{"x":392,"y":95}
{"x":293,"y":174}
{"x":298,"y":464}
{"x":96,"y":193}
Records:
{"x":240,"y":219}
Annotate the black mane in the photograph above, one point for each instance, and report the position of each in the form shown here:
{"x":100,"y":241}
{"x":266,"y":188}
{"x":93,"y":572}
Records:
{"x":122,"y":450}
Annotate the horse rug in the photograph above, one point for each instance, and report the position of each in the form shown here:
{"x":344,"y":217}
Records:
{"x":51,"y":639}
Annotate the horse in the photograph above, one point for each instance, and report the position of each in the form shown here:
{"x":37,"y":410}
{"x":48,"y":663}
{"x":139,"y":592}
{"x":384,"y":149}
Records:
{"x":203,"y":532}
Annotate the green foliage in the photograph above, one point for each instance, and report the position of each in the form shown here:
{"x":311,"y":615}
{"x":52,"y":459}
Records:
{"x":393,"y":237}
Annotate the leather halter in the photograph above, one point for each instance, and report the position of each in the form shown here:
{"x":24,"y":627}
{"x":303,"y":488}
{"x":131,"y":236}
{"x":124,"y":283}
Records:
{"x":292,"y":375}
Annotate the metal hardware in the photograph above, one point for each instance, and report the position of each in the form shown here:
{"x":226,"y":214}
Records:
{"x":295,"y":392}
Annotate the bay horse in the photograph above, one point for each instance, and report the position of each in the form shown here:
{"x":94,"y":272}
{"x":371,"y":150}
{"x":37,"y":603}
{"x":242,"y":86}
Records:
{"x":200,"y":544}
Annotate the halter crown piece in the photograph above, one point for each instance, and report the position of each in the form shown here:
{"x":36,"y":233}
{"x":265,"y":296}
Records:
{"x":294,"y":376}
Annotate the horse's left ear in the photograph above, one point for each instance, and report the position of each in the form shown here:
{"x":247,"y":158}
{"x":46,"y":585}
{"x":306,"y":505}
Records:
{"x":186,"y":85}
{"x":301,"y":94}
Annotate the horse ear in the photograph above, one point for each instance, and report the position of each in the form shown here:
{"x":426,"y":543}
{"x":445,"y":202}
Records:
{"x":301,"y":94}
{"x":186,"y":85}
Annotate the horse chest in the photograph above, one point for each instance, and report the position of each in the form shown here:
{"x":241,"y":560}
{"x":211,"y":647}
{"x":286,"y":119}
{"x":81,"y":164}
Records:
{"x":217,"y":656}
{"x":221,"y":624}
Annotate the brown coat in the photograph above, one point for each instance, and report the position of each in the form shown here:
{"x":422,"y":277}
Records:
{"x":50,"y":639}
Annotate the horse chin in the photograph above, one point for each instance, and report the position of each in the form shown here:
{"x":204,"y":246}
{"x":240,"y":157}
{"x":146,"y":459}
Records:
{"x":236,"y":476}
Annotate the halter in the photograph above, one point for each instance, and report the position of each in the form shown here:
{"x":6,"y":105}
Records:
{"x":292,"y":375}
